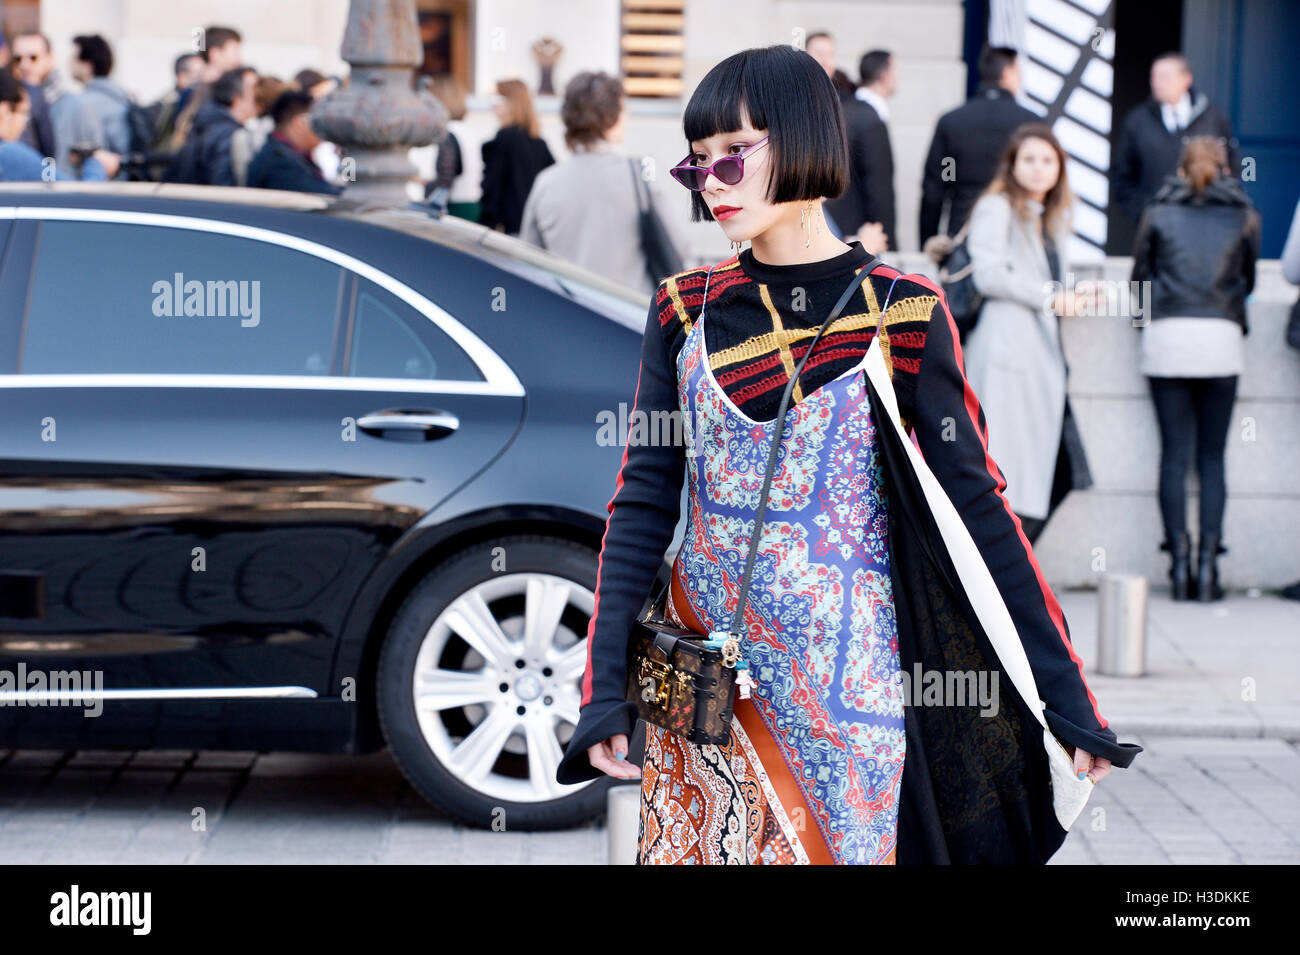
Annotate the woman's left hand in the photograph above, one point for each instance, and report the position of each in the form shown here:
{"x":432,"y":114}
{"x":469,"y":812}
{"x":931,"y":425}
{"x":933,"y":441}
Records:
{"x":1097,"y":767}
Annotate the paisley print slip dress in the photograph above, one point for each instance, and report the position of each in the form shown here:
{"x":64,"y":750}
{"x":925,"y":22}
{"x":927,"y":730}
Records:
{"x":812,"y":770}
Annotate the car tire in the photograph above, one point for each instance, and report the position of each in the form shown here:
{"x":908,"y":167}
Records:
{"x":520,"y":703}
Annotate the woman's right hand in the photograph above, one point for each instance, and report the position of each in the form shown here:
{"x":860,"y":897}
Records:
{"x":610,"y":757}
{"x":873,"y":237}
{"x":1067,"y":304}
{"x":1082,"y":300}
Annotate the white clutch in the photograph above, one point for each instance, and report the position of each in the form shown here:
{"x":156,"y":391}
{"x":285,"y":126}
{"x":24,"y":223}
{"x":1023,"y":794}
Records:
{"x":1069,"y":792}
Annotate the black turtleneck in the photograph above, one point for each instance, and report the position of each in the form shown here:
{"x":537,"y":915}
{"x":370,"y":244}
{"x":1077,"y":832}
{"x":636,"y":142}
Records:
{"x":853,"y":257}
{"x":801,"y":295}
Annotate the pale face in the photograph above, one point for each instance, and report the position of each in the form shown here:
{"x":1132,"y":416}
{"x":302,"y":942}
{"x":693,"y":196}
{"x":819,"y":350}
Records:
{"x":191,"y":72}
{"x":1036,"y":169}
{"x":226,"y":57}
{"x":889,"y":78}
{"x":81,"y":70}
{"x":756,"y":213}
{"x":244,"y":107}
{"x":301,"y":134}
{"x":33,"y":60}
{"x":1169,"y":81}
{"x":822,"y":49}
{"x":1011,"y":77}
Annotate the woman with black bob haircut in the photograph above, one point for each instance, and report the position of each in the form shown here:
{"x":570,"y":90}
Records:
{"x":808,"y":155}
{"x":835,"y":756}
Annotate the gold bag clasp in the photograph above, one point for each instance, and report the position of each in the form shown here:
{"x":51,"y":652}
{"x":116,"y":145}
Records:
{"x":653,"y":680}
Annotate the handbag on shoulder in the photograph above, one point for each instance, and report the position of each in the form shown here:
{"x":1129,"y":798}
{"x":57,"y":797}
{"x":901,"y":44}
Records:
{"x":955,"y":268}
{"x":681,"y":680}
{"x":661,"y":256}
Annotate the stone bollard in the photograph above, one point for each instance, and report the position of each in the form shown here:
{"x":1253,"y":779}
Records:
{"x":623,"y":814}
{"x":1122,"y":625}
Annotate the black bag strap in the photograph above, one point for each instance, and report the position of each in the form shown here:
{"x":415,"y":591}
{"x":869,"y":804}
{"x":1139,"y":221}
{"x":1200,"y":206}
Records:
{"x":858,"y":278}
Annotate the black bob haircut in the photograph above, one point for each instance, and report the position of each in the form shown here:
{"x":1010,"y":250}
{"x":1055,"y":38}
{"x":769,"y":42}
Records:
{"x":786,"y":92}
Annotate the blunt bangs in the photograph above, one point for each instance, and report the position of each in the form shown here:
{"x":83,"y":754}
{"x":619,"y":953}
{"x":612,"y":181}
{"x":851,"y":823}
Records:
{"x":786,"y":92}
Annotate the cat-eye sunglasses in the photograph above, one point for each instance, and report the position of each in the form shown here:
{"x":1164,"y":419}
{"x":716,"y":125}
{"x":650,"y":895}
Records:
{"x":728,"y":169}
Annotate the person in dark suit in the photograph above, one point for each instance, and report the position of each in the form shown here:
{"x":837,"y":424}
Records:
{"x":511,"y":159}
{"x":870,"y":195}
{"x":1154,"y":134}
{"x":968,"y":143}
{"x":284,"y":161}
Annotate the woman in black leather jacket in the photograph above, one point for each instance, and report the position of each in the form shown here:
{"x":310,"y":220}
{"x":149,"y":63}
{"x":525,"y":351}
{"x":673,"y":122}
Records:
{"x":1196,"y":245}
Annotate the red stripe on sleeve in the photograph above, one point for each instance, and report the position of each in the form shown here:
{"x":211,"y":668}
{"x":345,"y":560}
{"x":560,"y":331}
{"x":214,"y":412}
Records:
{"x":600,"y":560}
{"x":1049,"y":598}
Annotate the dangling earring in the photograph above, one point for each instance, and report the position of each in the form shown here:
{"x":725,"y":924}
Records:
{"x":735,"y":248}
{"x":805,"y":221}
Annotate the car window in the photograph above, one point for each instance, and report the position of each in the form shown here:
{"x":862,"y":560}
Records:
{"x":607,"y":297}
{"x":392,"y":340}
{"x":118,"y":298}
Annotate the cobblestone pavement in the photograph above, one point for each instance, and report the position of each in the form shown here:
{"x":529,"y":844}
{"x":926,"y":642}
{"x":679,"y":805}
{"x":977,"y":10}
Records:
{"x":1184,"y":800}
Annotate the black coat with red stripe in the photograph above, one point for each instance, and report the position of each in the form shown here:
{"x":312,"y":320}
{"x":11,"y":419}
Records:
{"x":975,"y":788}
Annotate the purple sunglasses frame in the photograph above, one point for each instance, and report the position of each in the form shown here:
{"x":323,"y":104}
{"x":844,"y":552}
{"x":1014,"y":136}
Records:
{"x":679,"y":171}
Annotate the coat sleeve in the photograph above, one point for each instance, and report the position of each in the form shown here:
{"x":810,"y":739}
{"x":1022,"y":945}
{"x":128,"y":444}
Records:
{"x":1144,"y":247}
{"x":1126,"y":170}
{"x":492,"y":185}
{"x":989,"y":245}
{"x":1231,"y":145}
{"x":933,"y":189}
{"x":218,"y":162}
{"x":643,"y":516}
{"x":448,"y":164}
{"x":952,"y":436}
{"x":1250,"y":242}
{"x":530,"y":229}
{"x":878,"y":180}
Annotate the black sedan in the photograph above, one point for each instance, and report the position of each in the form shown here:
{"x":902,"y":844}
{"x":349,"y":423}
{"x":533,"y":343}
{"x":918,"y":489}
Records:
{"x":282,"y":471}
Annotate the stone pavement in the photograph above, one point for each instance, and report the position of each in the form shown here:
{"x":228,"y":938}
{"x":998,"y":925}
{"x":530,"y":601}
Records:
{"x":1193,"y":800}
{"x":1218,"y":782}
{"x":1228,"y":668}
{"x":1184,"y":800}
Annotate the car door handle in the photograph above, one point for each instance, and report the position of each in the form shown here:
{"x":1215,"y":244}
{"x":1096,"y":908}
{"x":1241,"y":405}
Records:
{"x":424,"y":424}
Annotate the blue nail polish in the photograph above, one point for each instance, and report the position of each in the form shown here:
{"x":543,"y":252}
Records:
{"x":1082,"y":773}
{"x":619,"y":754}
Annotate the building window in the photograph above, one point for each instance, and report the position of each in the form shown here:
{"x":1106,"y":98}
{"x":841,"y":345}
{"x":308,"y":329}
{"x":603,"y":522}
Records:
{"x":653,"y":47}
{"x":445,"y":39}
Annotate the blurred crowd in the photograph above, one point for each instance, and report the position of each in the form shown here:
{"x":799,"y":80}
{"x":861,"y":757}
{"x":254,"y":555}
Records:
{"x":222,"y":123}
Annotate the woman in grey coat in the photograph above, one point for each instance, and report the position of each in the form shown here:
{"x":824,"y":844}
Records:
{"x":585,"y":209}
{"x":1014,"y":359}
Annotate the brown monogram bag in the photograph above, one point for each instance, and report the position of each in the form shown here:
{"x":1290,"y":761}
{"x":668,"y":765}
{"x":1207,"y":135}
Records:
{"x":683,"y":680}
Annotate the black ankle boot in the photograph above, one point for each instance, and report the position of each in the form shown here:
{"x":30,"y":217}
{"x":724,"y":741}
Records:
{"x":1181,"y":582}
{"x":1207,"y":571}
